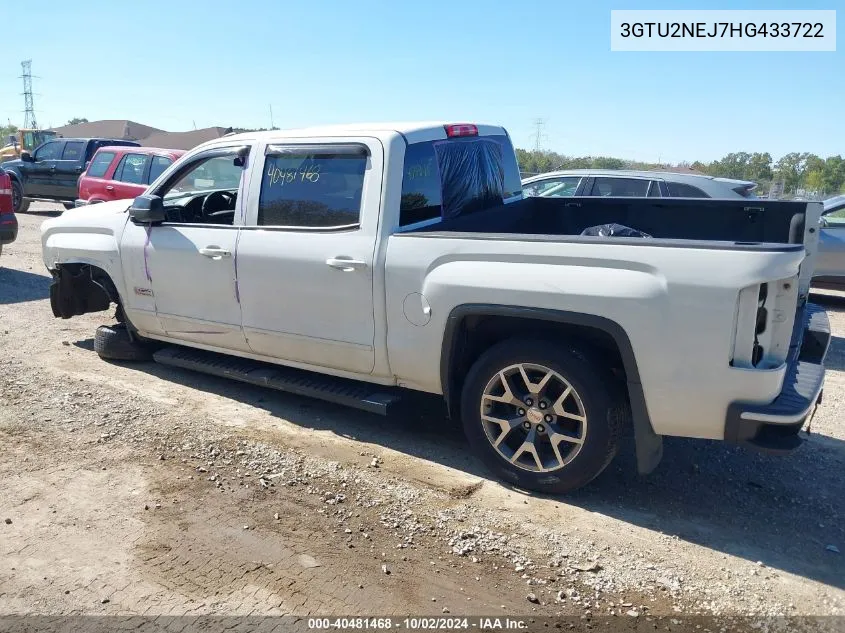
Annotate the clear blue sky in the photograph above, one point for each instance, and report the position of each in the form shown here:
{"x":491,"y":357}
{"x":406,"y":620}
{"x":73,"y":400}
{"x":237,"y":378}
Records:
{"x":178,"y":64}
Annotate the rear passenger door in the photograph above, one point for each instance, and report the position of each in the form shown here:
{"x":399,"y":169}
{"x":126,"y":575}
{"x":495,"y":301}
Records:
{"x":305,"y":256}
{"x":68,"y":168}
{"x":130,"y":176}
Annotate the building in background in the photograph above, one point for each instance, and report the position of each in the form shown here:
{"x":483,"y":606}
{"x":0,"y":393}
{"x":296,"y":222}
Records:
{"x":146,"y":135}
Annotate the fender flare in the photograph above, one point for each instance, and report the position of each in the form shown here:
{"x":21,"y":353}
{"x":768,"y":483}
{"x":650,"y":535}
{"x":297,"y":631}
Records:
{"x":649,"y":445}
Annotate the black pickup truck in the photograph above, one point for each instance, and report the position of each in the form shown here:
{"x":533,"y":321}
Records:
{"x":52,"y":171}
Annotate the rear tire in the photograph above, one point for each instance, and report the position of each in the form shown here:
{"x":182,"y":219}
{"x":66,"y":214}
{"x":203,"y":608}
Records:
{"x":68,"y":205}
{"x":19,"y":203}
{"x":112,"y":342}
{"x":543,"y":416}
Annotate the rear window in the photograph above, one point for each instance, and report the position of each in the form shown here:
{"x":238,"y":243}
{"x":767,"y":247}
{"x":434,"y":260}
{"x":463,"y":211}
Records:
{"x":457,"y":176}
{"x":100,"y":164}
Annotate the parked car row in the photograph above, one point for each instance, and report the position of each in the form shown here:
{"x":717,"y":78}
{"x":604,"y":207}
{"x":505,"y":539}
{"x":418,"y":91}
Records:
{"x":52,"y":171}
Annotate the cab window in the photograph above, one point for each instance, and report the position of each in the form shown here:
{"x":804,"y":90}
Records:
{"x":50,"y":151}
{"x":317,"y":188}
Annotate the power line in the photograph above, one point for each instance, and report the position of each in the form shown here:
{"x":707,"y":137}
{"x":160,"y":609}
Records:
{"x":29,"y":109}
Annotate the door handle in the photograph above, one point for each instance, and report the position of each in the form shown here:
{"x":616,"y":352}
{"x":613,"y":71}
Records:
{"x":109,"y":188}
{"x":215,"y":252}
{"x":345,"y":264}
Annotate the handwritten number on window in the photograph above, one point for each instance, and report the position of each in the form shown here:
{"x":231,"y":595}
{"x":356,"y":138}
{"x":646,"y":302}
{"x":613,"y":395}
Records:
{"x":308,"y":171}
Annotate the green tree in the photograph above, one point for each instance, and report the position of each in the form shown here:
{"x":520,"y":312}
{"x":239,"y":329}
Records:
{"x":605,"y":162}
{"x":790,"y":169}
{"x":76,"y":120}
{"x":5,"y":131}
{"x":759,"y":167}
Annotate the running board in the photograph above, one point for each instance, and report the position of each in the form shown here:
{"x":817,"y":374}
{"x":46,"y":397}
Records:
{"x":350,"y":393}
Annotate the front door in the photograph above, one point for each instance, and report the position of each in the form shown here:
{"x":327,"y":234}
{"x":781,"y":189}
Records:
{"x":305,"y":256}
{"x":39,"y":174}
{"x":183,"y":271}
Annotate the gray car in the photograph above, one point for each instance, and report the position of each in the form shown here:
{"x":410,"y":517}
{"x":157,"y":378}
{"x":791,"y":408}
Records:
{"x":637,"y":184}
{"x":830,"y":265}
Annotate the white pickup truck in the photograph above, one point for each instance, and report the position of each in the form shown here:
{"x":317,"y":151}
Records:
{"x":353,"y":262}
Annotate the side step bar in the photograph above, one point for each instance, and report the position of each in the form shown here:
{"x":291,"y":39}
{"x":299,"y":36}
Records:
{"x":350,"y":393}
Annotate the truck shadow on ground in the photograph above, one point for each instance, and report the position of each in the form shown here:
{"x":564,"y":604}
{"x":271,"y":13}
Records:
{"x":785,"y":512}
{"x":18,"y":286}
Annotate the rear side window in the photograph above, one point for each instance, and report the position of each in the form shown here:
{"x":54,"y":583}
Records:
{"x":312,"y":186}
{"x":157,"y":167}
{"x":620,"y":187}
{"x":681,"y":190}
{"x":100,"y":164}
{"x":553,"y":188}
{"x":465,"y":173}
{"x":73,"y":150}
{"x":131,"y":169}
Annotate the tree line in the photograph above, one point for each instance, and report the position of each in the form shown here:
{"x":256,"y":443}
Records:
{"x":796,"y":171}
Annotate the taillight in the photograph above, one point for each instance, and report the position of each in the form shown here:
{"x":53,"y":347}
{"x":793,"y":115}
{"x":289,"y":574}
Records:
{"x":5,"y":185}
{"x":461,"y":129}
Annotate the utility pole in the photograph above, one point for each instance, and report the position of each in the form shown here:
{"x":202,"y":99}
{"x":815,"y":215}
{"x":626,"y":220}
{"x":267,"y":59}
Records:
{"x":29,"y":108}
{"x":272,"y":125}
{"x":538,"y":133}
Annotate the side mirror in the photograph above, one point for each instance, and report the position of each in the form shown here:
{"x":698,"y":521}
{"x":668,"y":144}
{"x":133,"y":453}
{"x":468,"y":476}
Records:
{"x":147,"y":210}
{"x":27,"y":157}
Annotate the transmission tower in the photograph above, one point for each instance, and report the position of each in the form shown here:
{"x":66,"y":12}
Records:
{"x":538,"y":134}
{"x":29,"y":108}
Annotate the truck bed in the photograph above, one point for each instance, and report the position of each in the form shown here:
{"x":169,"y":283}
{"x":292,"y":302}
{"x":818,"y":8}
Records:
{"x":740,"y":223}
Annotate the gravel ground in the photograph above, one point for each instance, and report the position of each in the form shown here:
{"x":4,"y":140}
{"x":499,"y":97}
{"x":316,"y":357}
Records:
{"x":143,"y":489}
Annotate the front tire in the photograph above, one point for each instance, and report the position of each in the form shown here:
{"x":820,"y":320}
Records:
{"x":542,"y":416}
{"x":112,"y":342}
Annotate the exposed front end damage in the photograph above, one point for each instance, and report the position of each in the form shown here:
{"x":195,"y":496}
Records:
{"x":80,"y":288}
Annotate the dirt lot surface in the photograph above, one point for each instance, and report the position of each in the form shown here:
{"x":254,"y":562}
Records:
{"x":142,"y":489}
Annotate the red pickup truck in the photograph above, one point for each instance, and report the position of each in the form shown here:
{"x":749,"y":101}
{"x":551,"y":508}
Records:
{"x":117,"y":173}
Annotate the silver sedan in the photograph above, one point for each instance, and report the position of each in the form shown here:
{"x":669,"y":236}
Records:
{"x":830,"y":264}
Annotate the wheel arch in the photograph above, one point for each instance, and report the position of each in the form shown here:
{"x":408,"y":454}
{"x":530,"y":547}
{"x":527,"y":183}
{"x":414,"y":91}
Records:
{"x":491,"y":323}
{"x":79,"y":288}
